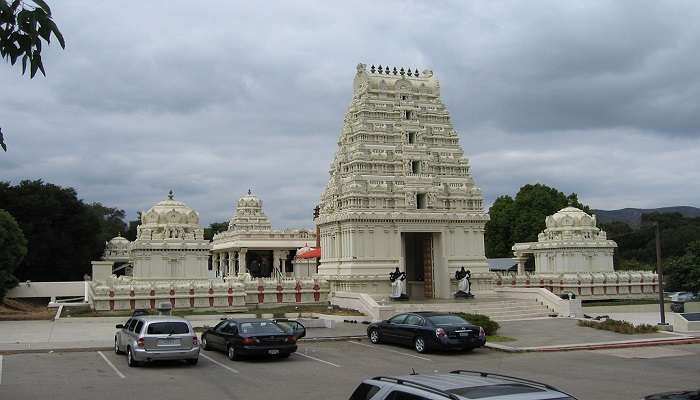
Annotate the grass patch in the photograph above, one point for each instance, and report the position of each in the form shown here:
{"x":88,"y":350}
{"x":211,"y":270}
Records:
{"x":24,"y":310}
{"x":619,"y":326}
{"x":498,"y":338}
{"x":490,"y":326}
{"x":621,"y":302}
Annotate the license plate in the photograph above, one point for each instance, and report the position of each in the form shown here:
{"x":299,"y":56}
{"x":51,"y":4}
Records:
{"x":168,"y":342}
{"x":273,"y":352}
{"x":464,"y":334}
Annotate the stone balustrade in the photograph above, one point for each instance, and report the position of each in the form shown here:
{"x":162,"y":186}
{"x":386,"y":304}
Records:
{"x":127,"y":294}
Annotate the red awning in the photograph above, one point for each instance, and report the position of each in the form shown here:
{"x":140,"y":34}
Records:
{"x":312,"y":252}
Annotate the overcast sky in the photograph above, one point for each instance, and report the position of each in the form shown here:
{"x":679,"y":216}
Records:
{"x":210,"y":99}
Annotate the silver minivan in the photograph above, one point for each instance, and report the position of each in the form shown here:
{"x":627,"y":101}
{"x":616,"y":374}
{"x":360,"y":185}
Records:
{"x":156,"y":337}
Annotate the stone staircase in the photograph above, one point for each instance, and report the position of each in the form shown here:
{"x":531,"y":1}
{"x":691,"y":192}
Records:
{"x":498,"y":309}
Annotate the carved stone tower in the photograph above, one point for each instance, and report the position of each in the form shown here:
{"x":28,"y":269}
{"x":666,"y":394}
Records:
{"x":400,"y":192}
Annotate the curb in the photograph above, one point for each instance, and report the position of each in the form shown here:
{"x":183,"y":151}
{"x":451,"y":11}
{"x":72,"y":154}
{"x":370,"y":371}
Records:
{"x":601,"y":346}
{"x":110,"y":348}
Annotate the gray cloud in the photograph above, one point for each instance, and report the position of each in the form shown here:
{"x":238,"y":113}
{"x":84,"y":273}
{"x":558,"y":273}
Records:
{"x":598,"y":98}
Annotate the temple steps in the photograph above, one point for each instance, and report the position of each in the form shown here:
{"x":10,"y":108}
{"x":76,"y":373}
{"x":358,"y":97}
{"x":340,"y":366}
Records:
{"x":503,"y":310}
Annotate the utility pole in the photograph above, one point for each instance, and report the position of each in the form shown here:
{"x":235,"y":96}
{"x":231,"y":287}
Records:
{"x":660,"y":273}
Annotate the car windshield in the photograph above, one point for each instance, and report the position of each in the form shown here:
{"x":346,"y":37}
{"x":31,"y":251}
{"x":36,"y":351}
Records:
{"x":447,"y":320}
{"x":263,"y":327}
{"x":168,"y":328}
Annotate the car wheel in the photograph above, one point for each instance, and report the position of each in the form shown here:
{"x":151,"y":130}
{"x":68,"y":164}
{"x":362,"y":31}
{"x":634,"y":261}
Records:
{"x":205,"y":346}
{"x":130,"y":358}
{"x":374,"y":336}
{"x":192,"y":361}
{"x":231,"y":353}
{"x":116,"y":347}
{"x":419,"y":344}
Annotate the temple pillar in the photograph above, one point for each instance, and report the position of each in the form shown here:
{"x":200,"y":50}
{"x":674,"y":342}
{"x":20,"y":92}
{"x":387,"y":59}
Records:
{"x":242,"y":266}
{"x":521,"y":260}
{"x":229,"y":267}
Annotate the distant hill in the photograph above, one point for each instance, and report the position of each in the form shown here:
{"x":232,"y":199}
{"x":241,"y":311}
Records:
{"x":633,"y":216}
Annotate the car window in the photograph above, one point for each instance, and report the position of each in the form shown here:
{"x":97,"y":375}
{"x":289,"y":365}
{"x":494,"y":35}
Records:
{"x":126,"y":324}
{"x":220,"y":325}
{"x":447,"y":320}
{"x":139,"y":327}
{"x":399,"y":395}
{"x":131,"y":326}
{"x":399,"y":319}
{"x":413,"y":320}
{"x":168,"y":328}
{"x":364,"y":392}
{"x":261,"y":328}
{"x":230,"y":328}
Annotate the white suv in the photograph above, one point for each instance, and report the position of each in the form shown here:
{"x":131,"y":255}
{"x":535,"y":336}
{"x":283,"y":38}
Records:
{"x":457,"y":385}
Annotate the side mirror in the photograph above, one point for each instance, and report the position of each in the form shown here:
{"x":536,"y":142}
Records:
{"x":119,"y":326}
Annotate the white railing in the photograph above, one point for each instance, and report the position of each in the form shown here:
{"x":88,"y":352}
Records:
{"x":364,"y":303}
{"x":564,"y":308}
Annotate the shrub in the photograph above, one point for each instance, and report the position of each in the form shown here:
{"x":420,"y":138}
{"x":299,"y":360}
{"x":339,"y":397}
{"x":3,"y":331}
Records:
{"x":490,"y":327}
{"x":619,"y":326}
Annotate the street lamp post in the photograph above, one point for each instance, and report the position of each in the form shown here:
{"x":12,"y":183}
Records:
{"x":660,"y":273}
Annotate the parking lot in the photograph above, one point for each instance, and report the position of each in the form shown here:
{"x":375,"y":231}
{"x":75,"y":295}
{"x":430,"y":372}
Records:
{"x":331,"y":370}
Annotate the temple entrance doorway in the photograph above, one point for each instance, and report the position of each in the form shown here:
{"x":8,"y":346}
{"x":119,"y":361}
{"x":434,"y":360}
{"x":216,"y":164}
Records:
{"x":418,"y":264}
{"x":259,"y":263}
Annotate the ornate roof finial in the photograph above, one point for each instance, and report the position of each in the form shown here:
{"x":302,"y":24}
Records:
{"x":249,"y":192}
{"x":416,"y":73}
{"x":402,"y":72}
{"x":372,"y":69}
{"x":409,"y":73}
{"x":380,"y":69}
{"x":170,"y":194}
{"x":394,"y":71}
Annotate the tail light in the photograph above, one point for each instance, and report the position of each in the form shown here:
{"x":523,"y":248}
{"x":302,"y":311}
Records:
{"x":249,"y":340}
{"x":439,"y":332}
{"x":482,"y":333}
{"x":195,"y":341}
{"x":291,"y":339}
{"x":141,"y":342}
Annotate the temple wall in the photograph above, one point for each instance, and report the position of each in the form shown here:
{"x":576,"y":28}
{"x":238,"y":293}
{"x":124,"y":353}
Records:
{"x":170,"y":264}
{"x":124,"y":294}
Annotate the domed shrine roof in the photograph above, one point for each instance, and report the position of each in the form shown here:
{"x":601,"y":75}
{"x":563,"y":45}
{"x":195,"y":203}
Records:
{"x":116,"y":249}
{"x":570,"y":217}
{"x":170,"y":211}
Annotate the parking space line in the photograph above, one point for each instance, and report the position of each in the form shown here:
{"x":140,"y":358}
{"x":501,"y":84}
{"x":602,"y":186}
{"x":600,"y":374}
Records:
{"x":318,"y":359}
{"x":218,"y":363}
{"x":389,"y":350}
{"x":111,"y":365}
{"x":0,"y":370}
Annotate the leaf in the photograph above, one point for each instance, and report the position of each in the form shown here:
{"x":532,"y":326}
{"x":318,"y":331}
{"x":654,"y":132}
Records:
{"x":24,"y":63}
{"x":2,"y":139}
{"x":39,"y":63}
{"x":43,"y":5}
{"x":58,"y":34}
{"x":4,"y":7}
{"x":33,"y":68}
{"x":45,"y":31}
{"x":15,"y":5}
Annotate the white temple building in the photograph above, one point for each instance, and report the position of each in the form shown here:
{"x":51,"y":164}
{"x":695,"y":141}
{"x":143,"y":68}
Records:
{"x":251,"y":246}
{"x":571,"y":243}
{"x":400,"y":192}
{"x":170,"y":243}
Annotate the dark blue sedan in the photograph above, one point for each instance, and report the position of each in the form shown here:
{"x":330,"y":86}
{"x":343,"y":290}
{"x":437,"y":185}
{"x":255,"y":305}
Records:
{"x":427,"y":331}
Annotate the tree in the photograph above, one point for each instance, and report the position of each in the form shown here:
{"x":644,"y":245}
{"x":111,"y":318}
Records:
{"x":132,"y":230}
{"x":111,"y":223}
{"x":214,"y":228}
{"x":13,"y":248}
{"x":523,"y":218}
{"x":22,"y":28}
{"x":683,"y":273}
{"x":62,"y":232}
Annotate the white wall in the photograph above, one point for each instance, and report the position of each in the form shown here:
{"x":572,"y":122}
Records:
{"x":48,"y":289}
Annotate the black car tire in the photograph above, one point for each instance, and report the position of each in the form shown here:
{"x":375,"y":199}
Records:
{"x":205,"y":346}
{"x":116,"y":347}
{"x":374,"y":336}
{"x":192,"y":361}
{"x":130,"y":359}
{"x":420,"y":345}
{"x":231,"y":353}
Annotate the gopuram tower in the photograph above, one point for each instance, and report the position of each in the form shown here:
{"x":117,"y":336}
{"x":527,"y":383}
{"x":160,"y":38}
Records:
{"x":400,"y":192}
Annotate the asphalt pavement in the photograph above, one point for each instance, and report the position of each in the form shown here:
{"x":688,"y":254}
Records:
{"x":331,"y":370}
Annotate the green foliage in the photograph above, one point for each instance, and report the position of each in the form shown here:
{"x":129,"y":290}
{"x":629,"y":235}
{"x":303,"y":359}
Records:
{"x":63,"y":233}
{"x":683,"y":273}
{"x":22,"y":29}
{"x":13,"y":248}
{"x":490,"y":326}
{"x":619,"y":326}
{"x":214,"y":228}
{"x":111,"y":221}
{"x":523,"y":218}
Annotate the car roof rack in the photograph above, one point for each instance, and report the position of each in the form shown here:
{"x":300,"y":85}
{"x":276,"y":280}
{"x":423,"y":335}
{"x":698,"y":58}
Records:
{"x":484,"y":374}
{"x":418,"y":386}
